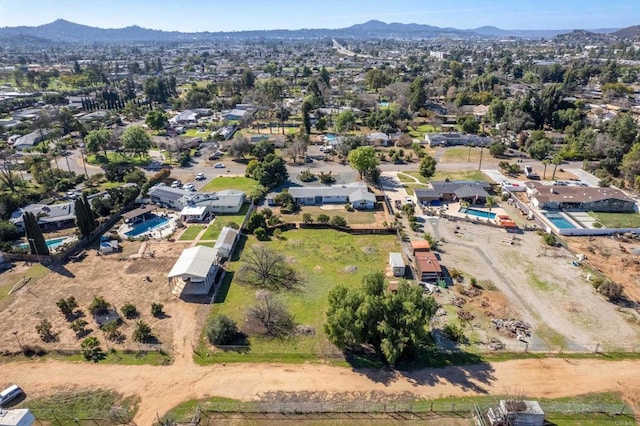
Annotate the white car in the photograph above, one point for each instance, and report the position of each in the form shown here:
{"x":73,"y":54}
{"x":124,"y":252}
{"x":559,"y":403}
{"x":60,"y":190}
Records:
{"x":219,"y":166}
{"x":176,"y":184}
{"x":200,"y":176}
{"x":188,"y":187}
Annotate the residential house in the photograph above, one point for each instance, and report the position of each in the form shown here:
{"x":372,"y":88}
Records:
{"x":185,"y":118}
{"x":30,"y":140}
{"x":49,"y":216}
{"x":194,"y":272}
{"x":227,"y":201}
{"x":456,"y":139}
{"x":427,"y":266}
{"x":473,"y":192}
{"x":356,"y":194}
{"x":579,"y":198}
{"x":164,"y":195}
{"x":235,"y":114}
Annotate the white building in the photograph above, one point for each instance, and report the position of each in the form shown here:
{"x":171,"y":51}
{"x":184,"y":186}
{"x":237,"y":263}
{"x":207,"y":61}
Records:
{"x":18,"y":417}
{"x":356,"y":194}
{"x":396,"y":263}
{"x":226,"y":241}
{"x":227,"y":201}
{"x":194,"y":272}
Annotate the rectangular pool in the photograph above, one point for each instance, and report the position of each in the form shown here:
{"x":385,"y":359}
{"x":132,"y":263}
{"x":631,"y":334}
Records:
{"x":52,"y":243}
{"x":146,"y":226}
{"x":477,"y":213}
{"x":559,"y":221}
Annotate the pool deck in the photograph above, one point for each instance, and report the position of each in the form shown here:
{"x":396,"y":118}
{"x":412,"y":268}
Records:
{"x":452,"y":209}
{"x":162,"y":232}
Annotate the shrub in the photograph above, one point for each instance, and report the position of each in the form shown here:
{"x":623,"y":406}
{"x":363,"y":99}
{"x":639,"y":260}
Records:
{"x":266,"y":212}
{"x":91,"y":349}
{"x":142,"y":333}
{"x":111,"y":331}
{"x":611,"y":290}
{"x":433,"y":243}
{"x":338,"y":221}
{"x":261,"y":234}
{"x":307,"y":218}
{"x":453,"y":332}
{"x":323,"y":218}
{"x":348,"y":207}
{"x":78,"y":327}
{"x":455,"y":273}
{"x":157,"y":309}
{"x":67,"y":306}
{"x":307,"y":176}
{"x":549,"y":239}
{"x":232,"y":225}
{"x":45,"y":331}
{"x":129,"y":310}
{"x":99,"y":306}
{"x":221,"y":330}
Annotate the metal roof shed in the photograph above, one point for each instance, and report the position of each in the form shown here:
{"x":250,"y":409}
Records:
{"x":194,"y":263}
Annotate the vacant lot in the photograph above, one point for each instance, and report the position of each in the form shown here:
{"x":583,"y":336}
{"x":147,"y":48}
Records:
{"x":239,"y":183}
{"x":116,"y":277}
{"x":539,"y":284}
{"x":324,"y":258}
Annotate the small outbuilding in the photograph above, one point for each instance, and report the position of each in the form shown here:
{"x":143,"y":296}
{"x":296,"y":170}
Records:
{"x":397,"y":265}
{"x":194,"y":272}
{"x":17,"y":417}
{"x":517,"y":413}
{"x":226,"y":242}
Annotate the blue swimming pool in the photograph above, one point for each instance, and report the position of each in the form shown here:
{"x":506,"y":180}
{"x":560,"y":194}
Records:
{"x":149,"y":224}
{"x":559,"y":221}
{"x":477,"y":213}
{"x":52,"y":243}
{"x":330,"y":137}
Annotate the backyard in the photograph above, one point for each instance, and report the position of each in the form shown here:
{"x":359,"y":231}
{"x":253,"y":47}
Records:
{"x":239,"y":183}
{"x":324,"y":258}
{"x":617,"y":220}
{"x":357,"y":217}
{"x":214,"y":228}
{"x":191,"y":232}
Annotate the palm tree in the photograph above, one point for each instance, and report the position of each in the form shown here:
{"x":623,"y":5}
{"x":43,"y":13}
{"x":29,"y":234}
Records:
{"x":544,"y":173}
{"x":557,"y":159}
{"x":490,"y":202}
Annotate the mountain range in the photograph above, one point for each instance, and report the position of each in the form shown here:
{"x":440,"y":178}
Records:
{"x":70,"y":32}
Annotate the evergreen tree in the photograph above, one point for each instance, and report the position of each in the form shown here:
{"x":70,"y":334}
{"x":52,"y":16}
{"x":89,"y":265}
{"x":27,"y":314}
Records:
{"x":37,"y":243}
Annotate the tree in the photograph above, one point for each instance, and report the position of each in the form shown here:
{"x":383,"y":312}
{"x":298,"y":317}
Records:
{"x":307,"y":218}
{"x":45,"y":331}
{"x":345,"y":121}
{"x":91,"y":349}
{"x":427,"y":166}
{"x":98,"y":140}
{"x":78,"y":327}
{"x":394,"y":324}
{"x":271,"y":172}
{"x":111,"y":331}
{"x":271,"y":315}
{"x":417,"y":94}
{"x":338,"y":221}
{"x":262,"y":149}
{"x":99,"y":306}
{"x":540,"y":148}
{"x":321,"y":124}
{"x":497,"y":149}
{"x":85,"y":217}
{"x":240,"y":146}
{"x":67,"y":306}
{"x":468,"y":124}
{"x":630,"y":167}
{"x":142,"y":333}
{"x":363,"y":159}
{"x":222,"y":330}
{"x":283,"y":115}
{"x":376,"y":79}
{"x":556,"y":161}
{"x":490,"y":202}
{"x":136,"y":140}
{"x":156,"y":120}
{"x":129,"y":310}
{"x":157,"y":309}
{"x":267,"y":269}
{"x":256,"y":220}
{"x":33,"y":233}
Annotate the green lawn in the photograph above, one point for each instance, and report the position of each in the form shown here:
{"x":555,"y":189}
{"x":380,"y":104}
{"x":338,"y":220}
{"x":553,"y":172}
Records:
{"x":421,"y":130}
{"x":213,"y":230}
{"x":409,"y":187}
{"x":617,"y":220}
{"x":64,"y":407}
{"x":353,"y":218}
{"x":240,"y":183}
{"x":191,"y":232}
{"x":415,"y":174}
{"x":118,"y":158}
{"x":321,"y":257}
{"x":402,"y":177}
{"x":194,"y":133}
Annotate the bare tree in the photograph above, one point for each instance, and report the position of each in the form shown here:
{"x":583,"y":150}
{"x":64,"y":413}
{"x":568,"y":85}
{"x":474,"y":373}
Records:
{"x":270,"y":316}
{"x":267,"y":269}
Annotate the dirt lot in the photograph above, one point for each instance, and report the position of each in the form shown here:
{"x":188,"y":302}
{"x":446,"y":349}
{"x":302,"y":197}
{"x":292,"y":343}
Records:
{"x":540,"y":286}
{"x":618,"y":259}
{"x":116,"y":277}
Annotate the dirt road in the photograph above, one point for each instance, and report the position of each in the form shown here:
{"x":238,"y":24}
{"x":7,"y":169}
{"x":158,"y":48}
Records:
{"x":161,"y":388}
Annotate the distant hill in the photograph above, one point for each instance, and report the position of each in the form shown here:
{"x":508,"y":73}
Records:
{"x":65,"y":31}
{"x":629,"y":32}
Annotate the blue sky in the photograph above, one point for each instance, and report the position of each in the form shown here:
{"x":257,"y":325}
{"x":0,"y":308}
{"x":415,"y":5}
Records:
{"x":237,"y":15}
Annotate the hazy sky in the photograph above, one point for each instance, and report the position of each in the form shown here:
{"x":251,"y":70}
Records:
{"x":234,"y":15}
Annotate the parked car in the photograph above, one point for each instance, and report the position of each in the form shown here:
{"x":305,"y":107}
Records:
{"x":409,"y":200}
{"x":200,"y":176}
{"x":219,"y":166}
{"x":188,"y":187}
{"x":398,"y":204}
{"x":176,"y":184}
{"x":308,"y":160}
{"x":9,"y":394}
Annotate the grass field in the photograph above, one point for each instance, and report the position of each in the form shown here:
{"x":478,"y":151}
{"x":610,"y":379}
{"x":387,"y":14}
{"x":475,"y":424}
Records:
{"x":409,"y":187}
{"x":191,"y":232}
{"x":617,"y":220}
{"x":461,"y":175}
{"x":461,"y":154}
{"x":194,"y":133}
{"x":118,"y":158}
{"x":65,"y":407}
{"x":322,"y":258}
{"x":421,"y":130}
{"x":239,"y":183}
{"x":353,"y":218}
{"x":213,"y":230}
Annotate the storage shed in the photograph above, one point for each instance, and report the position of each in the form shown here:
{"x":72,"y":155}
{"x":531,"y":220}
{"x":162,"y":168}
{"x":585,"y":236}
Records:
{"x":517,"y":413}
{"x":17,"y":417}
{"x":397,"y":265}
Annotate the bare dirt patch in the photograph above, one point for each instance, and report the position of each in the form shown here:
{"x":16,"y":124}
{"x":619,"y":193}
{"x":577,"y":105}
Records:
{"x":118,"y":278}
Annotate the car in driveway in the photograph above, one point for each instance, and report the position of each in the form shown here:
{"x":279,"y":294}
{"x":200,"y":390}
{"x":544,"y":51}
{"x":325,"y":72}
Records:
{"x":219,"y":166}
{"x":188,"y":187}
{"x":200,"y":176}
{"x":176,"y":184}
{"x":398,"y":204}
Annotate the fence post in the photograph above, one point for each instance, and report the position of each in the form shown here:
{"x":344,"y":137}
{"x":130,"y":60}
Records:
{"x":597,"y":347}
{"x":622,"y":409}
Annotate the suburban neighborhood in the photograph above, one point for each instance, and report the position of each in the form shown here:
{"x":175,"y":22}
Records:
{"x":202,"y":227}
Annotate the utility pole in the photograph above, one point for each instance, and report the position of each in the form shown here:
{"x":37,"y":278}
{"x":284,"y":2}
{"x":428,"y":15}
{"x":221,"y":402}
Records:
{"x":480,"y":164}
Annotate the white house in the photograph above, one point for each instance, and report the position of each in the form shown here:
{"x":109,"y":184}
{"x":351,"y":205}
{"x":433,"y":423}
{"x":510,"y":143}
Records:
{"x":454,"y":139}
{"x":194,"y":272}
{"x":356,"y":194}
{"x":185,"y":117}
{"x":227,"y":201}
